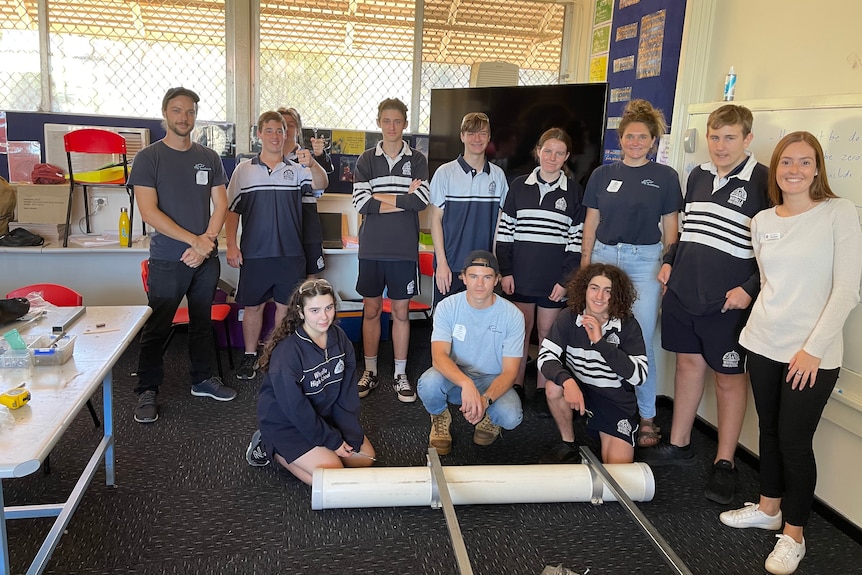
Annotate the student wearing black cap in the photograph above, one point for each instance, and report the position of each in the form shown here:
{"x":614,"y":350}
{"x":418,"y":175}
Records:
{"x":476,"y":348}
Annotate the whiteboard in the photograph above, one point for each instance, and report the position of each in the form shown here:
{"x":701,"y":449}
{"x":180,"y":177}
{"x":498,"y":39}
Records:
{"x":837,"y":123}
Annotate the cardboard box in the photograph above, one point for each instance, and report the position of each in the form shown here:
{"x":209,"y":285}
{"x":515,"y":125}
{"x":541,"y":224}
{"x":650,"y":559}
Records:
{"x":42,"y":204}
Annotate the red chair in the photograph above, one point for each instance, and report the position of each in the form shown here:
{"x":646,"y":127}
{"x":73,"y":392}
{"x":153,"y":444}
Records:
{"x":60,"y":296}
{"x":426,"y":268}
{"x":219,"y":313}
{"x":93,"y":141}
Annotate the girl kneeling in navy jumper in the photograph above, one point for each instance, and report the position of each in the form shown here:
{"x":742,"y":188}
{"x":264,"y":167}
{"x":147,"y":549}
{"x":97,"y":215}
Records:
{"x":308,"y":407}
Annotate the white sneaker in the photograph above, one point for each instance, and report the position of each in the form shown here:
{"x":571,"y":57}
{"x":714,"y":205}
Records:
{"x":751,"y":516}
{"x":403,"y":390}
{"x":786,"y":556}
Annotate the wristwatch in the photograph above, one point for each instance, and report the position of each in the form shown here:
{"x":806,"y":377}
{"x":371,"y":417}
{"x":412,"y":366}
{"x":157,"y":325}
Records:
{"x":488,"y":399}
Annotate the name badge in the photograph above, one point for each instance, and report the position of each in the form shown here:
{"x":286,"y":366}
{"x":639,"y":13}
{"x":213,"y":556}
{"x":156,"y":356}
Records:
{"x":201,"y":178}
{"x":615,"y":186}
{"x":772,"y":236}
{"x":460,"y":332}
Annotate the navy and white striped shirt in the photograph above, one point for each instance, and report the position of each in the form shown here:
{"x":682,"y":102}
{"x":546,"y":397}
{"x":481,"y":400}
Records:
{"x":714,"y":253}
{"x":540,"y":233}
{"x":392,"y":235}
{"x":270,"y":204}
{"x":616,"y":360}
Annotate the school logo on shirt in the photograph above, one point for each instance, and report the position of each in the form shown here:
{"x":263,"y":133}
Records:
{"x":730,"y":359}
{"x":288,"y":174}
{"x":624,"y":427}
{"x":650,"y":183}
{"x":339,"y":367}
{"x":411,"y":287}
{"x":560,"y":204}
{"x":492,"y":188}
{"x":613,"y":338}
{"x":406,"y":170}
{"x":319,"y":377}
{"x":738,"y":197}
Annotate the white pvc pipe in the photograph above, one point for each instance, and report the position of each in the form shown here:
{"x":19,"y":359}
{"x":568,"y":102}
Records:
{"x":472,"y":485}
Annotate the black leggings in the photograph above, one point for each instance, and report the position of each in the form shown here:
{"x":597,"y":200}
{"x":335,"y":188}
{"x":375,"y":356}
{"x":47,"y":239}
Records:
{"x":788,"y":420}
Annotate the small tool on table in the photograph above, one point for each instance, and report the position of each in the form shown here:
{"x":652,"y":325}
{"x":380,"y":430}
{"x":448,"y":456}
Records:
{"x":15,"y":397}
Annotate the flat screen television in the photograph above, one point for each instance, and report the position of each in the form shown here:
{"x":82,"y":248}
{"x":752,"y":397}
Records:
{"x":519,"y":115}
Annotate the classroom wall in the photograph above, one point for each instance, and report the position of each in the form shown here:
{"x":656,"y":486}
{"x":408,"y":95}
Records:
{"x":785,"y":48}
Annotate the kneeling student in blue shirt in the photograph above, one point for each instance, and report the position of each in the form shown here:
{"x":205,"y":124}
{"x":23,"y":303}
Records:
{"x":595,"y":354}
{"x":308,"y":407}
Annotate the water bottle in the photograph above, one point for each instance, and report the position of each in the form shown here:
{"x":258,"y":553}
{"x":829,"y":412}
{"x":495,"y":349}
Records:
{"x":730,"y":85}
{"x":125,"y":228}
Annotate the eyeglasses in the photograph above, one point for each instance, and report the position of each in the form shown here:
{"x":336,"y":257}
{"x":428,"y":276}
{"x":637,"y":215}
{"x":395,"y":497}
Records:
{"x":311,"y":285}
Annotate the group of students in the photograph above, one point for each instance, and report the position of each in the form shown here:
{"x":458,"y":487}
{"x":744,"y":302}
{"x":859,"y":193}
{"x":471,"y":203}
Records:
{"x":763,"y":276}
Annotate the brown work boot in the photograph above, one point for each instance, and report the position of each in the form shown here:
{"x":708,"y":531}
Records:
{"x":440,"y":438}
{"x":486,"y":432}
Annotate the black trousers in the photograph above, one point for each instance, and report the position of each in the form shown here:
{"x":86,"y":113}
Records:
{"x":788,"y":420}
{"x":169,"y":282}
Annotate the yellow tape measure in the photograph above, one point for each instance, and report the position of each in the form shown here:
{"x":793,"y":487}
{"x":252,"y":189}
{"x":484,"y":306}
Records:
{"x":15,"y":398}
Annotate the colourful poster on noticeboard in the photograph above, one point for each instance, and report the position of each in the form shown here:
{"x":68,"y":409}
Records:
{"x":601,"y":39}
{"x":348,"y":142}
{"x":604,"y":10}
{"x":599,"y":68}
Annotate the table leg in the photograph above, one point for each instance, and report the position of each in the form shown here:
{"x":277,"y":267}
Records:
{"x":4,"y":546}
{"x":108,"y":410}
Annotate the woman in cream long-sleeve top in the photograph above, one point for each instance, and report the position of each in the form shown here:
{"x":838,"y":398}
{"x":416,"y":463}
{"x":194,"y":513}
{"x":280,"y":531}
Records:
{"x":809,"y":249}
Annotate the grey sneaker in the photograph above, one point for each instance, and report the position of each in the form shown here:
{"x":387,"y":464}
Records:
{"x":486,"y":432}
{"x":750,"y":516}
{"x":403,"y":389}
{"x":440,"y":438}
{"x":255,"y":454}
{"x":367,"y":382}
{"x":248,"y":367}
{"x":214,"y":388}
{"x":147,"y":410}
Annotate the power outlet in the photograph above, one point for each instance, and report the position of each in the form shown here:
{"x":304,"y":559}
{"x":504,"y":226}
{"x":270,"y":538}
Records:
{"x":98,"y":203}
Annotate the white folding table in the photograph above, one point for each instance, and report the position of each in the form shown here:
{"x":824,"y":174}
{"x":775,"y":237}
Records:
{"x":28,"y":434}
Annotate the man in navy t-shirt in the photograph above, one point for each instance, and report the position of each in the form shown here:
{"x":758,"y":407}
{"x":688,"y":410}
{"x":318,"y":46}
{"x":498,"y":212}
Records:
{"x":176,"y":181}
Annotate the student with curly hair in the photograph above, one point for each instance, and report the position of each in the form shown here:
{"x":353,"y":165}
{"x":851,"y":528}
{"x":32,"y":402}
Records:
{"x":595,"y":355}
{"x":632,"y":211}
{"x":308,"y":407}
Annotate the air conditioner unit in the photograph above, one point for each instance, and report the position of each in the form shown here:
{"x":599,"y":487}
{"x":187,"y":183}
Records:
{"x":487,"y":74}
{"x":55,"y":150}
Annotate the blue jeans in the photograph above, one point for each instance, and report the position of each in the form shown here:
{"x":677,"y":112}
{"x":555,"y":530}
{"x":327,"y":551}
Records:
{"x":437,"y":392}
{"x":169,"y":282}
{"x":642,"y":264}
